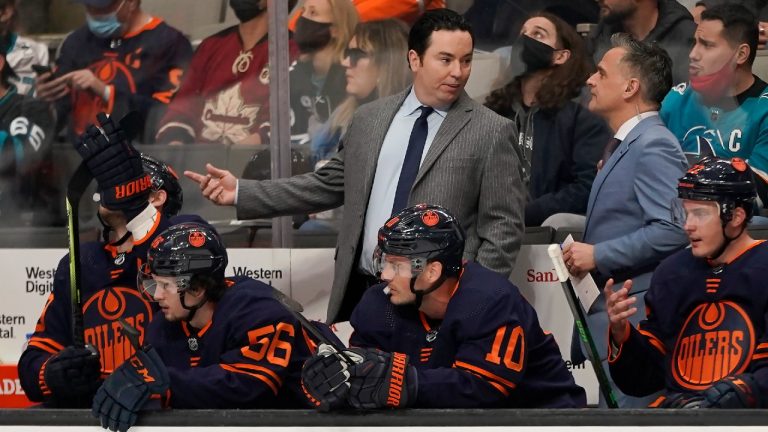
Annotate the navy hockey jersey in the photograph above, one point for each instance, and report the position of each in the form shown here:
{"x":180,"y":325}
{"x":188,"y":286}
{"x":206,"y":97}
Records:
{"x":701,"y":326}
{"x":488,"y":351}
{"x":249,"y":355}
{"x":143,"y":69}
{"x":109,"y":292}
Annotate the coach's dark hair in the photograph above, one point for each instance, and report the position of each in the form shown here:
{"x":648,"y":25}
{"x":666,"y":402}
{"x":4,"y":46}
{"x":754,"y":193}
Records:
{"x":650,"y":62}
{"x":431,"y":21}
{"x":740,"y":25}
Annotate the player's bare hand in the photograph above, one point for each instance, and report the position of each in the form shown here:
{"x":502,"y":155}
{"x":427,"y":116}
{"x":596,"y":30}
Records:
{"x":217,"y":185}
{"x":762,"y":35}
{"x":619,"y":307}
{"x":85,"y":79}
{"x":579,"y":258}
{"x":49,"y":89}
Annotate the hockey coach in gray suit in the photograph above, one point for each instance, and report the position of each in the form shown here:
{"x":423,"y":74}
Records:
{"x":430,"y":144}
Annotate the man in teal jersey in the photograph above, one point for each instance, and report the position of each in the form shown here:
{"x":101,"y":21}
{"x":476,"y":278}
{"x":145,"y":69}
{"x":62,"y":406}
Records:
{"x":723,"y":109}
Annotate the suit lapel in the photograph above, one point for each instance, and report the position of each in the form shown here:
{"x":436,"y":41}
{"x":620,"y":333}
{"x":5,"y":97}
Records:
{"x":458,"y":116}
{"x":613,"y":161}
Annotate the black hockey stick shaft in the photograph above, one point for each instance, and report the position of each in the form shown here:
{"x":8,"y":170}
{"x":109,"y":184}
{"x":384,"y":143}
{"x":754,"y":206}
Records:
{"x":580,"y":320}
{"x":296,"y":310}
{"x":75,"y":189}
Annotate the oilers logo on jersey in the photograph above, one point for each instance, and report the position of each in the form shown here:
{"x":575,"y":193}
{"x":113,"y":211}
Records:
{"x":716,"y":340}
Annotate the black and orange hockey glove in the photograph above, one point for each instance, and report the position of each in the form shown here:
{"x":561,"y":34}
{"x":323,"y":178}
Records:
{"x":128,"y":390}
{"x":71,"y":377}
{"x":116,"y":166}
{"x":325,"y":379}
{"x":382,"y":380}
{"x":734,"y":392}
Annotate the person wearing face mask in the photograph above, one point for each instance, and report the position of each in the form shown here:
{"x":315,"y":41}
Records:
{"x":723,"y":109}
{"x":228,"y":103}
{"x":322,"y":31}
{"x":560,"y":141}
{"x":122,"y":60}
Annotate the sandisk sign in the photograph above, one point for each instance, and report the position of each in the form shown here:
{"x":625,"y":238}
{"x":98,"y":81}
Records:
{"x":11,"y":394}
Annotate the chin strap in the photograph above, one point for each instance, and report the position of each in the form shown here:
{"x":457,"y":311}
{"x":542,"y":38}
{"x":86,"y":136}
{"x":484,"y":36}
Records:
{"x":420,"y":294}
{"x":726,"y":242}
{"x":191,"y":309}
{"x":142,"y":225}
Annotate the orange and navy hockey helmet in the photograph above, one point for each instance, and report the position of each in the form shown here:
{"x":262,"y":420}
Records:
{"x":164,"y":177}
{"x":186,"y":250}
{"x":424,"y":231}
{"x":730,"y":183}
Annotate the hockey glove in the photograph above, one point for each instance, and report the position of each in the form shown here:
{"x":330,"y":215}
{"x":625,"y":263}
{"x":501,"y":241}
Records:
{"x":129,"y":388}
{"x":382,"y":380}
{"x":72,"y":375}
{"x":116,"y":166}
{"x":739,"y":391}
{"x":325,"y":379}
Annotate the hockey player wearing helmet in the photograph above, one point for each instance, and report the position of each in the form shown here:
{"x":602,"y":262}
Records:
{"x":704,"y":340}
{"x":440,"y":332}
{"x":217,"y":342}
{"x":164,"y":178}
{"x":52,"y":369}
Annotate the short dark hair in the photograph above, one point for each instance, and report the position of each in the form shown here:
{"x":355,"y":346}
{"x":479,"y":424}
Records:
{"x":432,"y":21}
{"x":740,"y":25}
{"x":650,"y":62}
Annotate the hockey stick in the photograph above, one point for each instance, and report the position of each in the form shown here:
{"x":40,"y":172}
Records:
{"x":295,"y":308}
{"x":77,"y":184}
{"x":80,"y":180}
{"x":580,"y":320}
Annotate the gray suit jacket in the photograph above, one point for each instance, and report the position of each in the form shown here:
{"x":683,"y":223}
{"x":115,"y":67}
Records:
{"x":629,"y":216}
{"x":471,"y":168}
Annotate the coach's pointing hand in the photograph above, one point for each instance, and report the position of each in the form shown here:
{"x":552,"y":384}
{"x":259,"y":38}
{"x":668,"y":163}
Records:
{"x":217,"y":185}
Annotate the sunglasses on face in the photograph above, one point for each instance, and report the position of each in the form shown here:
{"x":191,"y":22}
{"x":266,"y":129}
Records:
{"x":354,"y":55}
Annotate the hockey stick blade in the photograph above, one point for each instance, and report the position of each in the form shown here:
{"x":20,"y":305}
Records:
{"x":580,"y":321}
{"x":295,"y":308}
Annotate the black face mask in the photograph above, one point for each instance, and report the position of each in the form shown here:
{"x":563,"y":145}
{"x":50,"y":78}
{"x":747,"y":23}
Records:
{"x":246,"y":10}
{"x":529,"y":56}
{"x":311,"y":36}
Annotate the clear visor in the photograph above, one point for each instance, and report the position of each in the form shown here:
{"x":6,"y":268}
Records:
{"x":149,"y":286}
{"x":388,"y":266}
{"x":694,"y":212}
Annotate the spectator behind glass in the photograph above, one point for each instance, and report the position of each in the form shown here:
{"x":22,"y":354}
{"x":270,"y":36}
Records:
{"x":123,"y":60}
{"x":24,"y":52}
{"x":374,"y":69}
{"x":28,"y":194}
{"x":225,"y":94}
{"x":758,"y":7}
{"x":723,"y":111}
{"x":317,"y":80}
{"x":665,"y":22}
{"x":560,"y":140}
